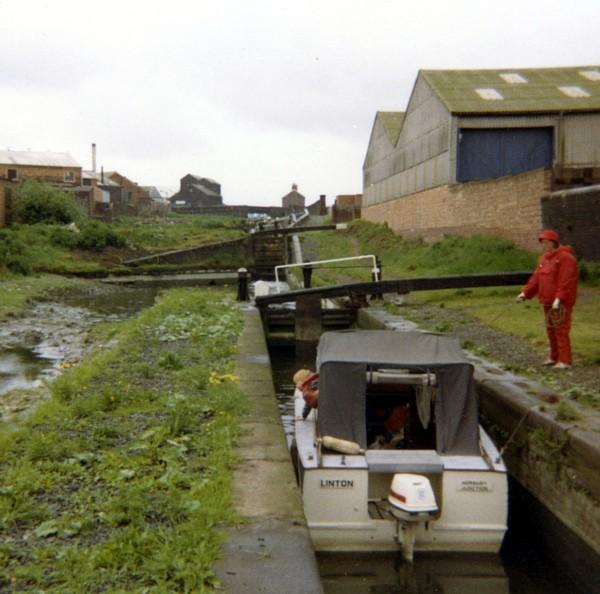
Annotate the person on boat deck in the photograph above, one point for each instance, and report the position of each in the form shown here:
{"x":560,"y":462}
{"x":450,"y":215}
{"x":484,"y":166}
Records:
{"x":307,"y":382}
{"x":393,"y":429}
{"x":555,"y":284}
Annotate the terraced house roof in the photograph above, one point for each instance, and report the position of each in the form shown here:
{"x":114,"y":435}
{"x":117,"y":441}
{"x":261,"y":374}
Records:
{"x":392,"y":123}
{"x":517,"y":90}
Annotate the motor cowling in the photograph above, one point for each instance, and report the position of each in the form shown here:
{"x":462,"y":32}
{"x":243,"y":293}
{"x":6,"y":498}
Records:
{"x":411,"y":498}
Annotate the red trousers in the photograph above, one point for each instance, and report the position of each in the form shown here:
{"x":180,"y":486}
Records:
{"x":558,"y":324}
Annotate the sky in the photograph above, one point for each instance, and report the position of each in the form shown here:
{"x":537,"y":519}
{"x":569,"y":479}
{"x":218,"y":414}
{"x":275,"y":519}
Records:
{"x":256,"y":94}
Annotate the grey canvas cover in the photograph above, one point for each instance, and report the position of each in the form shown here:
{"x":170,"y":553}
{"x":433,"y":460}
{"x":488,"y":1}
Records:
{"x":344,"y":357}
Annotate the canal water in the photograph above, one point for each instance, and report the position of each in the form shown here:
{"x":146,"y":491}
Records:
{"x":538,"y":556}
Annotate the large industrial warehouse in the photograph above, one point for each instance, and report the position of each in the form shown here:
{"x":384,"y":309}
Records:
{"x":476,"y":150}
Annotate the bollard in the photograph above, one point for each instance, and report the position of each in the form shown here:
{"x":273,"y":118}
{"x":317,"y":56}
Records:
{"x":242,"y":284}
{"x":307,"y":276}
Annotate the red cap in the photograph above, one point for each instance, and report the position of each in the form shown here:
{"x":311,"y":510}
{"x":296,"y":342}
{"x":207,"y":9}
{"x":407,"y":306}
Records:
{"x":548,"y":234}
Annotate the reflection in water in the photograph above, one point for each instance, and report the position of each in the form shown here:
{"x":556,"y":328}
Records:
{"x":430,"y":574}
{"x":20,"y":367}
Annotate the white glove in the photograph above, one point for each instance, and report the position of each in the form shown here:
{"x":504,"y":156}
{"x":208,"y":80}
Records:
{"x":556,"y":303}
{"x":520,"y":297}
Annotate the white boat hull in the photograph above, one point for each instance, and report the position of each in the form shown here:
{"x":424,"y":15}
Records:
{"x":346,"y":508}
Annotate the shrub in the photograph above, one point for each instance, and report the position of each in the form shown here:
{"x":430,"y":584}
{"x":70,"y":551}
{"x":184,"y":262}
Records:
{"x":96,"y":236}
{"x":11,"y":253}
{"x":589,"y":273}
{"x":36,"y":202}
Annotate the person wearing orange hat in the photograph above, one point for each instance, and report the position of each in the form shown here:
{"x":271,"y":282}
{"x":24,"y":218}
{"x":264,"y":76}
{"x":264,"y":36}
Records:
{"x":555,"y":284}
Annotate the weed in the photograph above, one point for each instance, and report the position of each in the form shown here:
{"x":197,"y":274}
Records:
{"x":565,"y":413}
{"x":584,"y":396}
{"x":170,"y":360}
{"x":443,"y":327}
{"x":129,"y":483}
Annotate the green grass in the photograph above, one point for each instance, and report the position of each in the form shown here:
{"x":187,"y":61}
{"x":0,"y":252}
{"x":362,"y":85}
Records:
{"x":17,"y":291}
{"x":55,"y":249}
{"x":461,"y":255}
{"x":178,"y":231}
{"x":36,"y":252}
{"x":121,"y":481}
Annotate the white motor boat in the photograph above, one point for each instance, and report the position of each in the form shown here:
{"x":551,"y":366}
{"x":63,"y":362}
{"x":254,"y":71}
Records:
{"x":394,"y":456}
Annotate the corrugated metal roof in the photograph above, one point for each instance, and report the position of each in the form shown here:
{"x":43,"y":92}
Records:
{"x":541,"y":93}
{"x":37,"y":158}
{"x":392,"y":123}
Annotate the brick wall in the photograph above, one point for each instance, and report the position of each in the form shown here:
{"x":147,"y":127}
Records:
{"x":53,"y":175}
{"x":508,"y":207}
{"x":575,"y":216}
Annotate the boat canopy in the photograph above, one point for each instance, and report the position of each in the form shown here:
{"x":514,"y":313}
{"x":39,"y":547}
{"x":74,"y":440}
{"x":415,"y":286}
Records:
{"x":344,"y":357}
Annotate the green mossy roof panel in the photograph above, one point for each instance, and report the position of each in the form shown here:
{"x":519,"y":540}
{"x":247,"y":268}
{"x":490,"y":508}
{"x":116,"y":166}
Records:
{"x":392,"y":123}
{"x":539,"y":94}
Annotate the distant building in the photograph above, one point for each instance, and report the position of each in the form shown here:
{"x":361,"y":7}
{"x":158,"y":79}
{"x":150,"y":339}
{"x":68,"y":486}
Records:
{"x":475,"y":150}
{"x":346,"y":207}
{"x":293,"y":200}
{"x":58,"y":169}
{"x":196,"y":192}
{"x":132,"y":199}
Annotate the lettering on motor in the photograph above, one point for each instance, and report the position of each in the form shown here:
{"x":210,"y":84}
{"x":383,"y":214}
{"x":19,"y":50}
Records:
{"x":336,"y":484}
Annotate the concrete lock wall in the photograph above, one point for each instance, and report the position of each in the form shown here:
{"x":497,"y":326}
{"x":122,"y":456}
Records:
{"x":508,"y":207}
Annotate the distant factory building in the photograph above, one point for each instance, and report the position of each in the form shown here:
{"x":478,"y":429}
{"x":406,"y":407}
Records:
{"x":196,"y":192}
{"x":293,"y":200}
{"x":475,"y":150}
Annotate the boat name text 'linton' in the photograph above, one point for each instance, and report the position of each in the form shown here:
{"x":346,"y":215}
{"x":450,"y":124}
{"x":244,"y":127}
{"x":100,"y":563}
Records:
{"x":336,"y":484}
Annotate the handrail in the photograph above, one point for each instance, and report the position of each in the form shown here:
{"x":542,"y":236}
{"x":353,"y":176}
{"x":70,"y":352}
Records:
{"x":374,"y":270}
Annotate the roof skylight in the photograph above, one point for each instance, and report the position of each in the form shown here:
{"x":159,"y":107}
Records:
{"x":513,"y":78}
{"x":489,"y":94}
{"x":590,"y":74}
{"x":574,"y":92}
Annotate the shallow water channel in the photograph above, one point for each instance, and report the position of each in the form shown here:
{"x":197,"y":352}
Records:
{"x":537,"y":557}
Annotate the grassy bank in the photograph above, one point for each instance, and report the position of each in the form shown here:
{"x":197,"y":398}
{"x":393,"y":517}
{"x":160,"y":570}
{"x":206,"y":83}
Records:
{"x":460,"y":255}
{"x":18,"y":292}
{"x":121,"y":481}
{"x":90,"y":246}
{"x":177,"y":231}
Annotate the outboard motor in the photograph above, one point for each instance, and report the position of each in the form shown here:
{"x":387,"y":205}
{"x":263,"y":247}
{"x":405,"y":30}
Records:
{"x":411,"y":501}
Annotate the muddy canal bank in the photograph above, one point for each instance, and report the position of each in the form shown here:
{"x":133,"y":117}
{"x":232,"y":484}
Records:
{"x":56,"y":334}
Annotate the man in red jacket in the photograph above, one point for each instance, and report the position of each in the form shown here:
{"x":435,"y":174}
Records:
{"x":555,"y":284}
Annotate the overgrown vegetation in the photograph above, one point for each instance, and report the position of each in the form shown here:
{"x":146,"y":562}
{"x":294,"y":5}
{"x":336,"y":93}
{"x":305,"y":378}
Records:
{"x":35,"y":202}
{"x":51,"y":234}
{"x":178,"y":231}
{"x":121,"y":482}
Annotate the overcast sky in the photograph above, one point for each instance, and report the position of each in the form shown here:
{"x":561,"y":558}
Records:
{"x":257,"y":94}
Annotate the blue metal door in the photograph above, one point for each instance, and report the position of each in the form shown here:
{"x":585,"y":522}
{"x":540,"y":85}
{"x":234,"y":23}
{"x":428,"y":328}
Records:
{"x":490,"y":153}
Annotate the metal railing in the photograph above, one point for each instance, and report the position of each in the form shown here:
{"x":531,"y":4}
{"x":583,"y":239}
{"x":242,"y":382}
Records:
{"x":290,"y":220}
{"x":374,"y":270}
